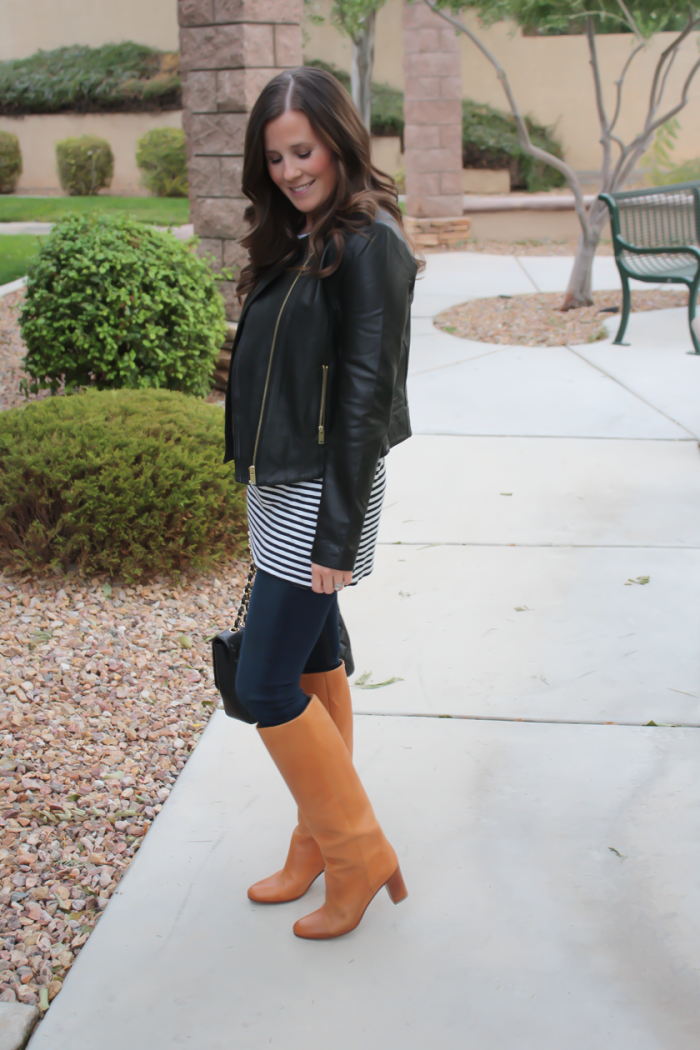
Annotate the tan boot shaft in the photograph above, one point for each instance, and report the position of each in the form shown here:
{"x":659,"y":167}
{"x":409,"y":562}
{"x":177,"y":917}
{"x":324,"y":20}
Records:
{"x":304,"y":861}
{"x":311,"y":756}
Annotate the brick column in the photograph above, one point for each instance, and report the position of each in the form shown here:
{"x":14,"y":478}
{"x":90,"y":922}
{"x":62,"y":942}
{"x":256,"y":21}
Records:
{"x":229,"y":50}
{"x":433,"y":114}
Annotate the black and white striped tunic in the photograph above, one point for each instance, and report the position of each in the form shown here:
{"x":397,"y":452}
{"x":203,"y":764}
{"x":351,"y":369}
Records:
{"x":282,"y":525}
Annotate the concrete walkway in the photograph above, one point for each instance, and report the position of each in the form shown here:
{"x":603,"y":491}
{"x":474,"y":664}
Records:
{"x":537,"y":579}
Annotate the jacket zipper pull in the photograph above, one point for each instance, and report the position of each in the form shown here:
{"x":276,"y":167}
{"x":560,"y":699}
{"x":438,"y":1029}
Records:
{"x":322,"y":414}
{"x":251,"y":474}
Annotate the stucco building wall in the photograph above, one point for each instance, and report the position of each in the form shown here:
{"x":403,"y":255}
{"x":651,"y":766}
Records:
{"x":551,"y":77}
{"x":28,"y":25}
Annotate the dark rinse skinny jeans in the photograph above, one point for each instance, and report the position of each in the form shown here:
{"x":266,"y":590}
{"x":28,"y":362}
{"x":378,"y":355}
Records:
{"x":289,"y":631}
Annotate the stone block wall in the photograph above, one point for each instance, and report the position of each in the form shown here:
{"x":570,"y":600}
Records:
{"x":433,"y":114}
{"x":229,"y":51}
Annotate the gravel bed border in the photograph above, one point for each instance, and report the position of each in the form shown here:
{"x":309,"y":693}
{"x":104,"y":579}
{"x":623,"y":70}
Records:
{"x":104,"y":693}
{"x":536,"y":319}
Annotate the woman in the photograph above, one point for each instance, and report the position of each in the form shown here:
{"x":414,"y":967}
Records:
{"x":316,"y":398}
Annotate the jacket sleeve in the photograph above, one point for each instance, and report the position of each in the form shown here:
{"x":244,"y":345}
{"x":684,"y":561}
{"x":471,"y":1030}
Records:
{"x":372,"y":287}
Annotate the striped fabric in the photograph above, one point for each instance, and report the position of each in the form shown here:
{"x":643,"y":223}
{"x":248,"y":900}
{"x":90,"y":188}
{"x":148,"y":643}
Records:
{"x":282,"y":525}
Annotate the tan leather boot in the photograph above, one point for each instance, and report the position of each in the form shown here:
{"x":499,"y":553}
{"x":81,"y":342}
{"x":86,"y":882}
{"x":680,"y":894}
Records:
{"x":304,"y":861}
{"x":314,"y":761}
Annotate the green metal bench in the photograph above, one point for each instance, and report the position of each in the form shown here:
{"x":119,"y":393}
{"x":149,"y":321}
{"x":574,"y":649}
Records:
{"x":656,"y":238}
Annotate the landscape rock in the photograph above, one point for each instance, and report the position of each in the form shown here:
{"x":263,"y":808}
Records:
{"x":16,"y":1024}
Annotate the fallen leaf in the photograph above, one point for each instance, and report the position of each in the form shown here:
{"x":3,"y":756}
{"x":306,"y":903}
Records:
{"x":379,"y":685}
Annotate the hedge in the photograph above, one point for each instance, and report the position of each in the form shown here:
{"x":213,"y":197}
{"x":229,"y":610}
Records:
{"x":490,"y":140}
{"x":126,"y":482}
{"x":115,"y":77}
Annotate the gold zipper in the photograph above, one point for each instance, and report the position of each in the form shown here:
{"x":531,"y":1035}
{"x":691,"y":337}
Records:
{"x":251,"y":469}
{"x":322,"y":414}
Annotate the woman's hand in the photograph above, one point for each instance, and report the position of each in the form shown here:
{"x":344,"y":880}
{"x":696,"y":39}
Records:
{"x":325,"y":581}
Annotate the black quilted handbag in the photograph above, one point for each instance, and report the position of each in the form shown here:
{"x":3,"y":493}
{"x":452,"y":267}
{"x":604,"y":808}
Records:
{"x":226,"y":650}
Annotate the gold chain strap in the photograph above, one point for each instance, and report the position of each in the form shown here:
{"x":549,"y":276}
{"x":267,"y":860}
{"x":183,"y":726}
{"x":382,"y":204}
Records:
{"x":243,"y":607}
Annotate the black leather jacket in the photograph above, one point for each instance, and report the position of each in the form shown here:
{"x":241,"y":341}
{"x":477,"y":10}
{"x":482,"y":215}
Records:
{"x":317,"y":385}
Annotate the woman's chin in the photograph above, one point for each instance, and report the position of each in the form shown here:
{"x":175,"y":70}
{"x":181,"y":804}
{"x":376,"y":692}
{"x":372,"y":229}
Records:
{"x":305,"y":204}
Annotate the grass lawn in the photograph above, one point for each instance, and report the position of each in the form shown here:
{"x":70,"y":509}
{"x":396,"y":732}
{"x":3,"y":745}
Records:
{"x":161,"y":211}
{"x":16,"y":252}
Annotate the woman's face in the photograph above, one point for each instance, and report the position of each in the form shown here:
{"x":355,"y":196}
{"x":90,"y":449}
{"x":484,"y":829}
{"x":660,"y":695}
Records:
{"x":299,"y":163}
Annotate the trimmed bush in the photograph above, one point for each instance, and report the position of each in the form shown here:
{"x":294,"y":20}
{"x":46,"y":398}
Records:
{"x":10,"y":161}
{"x":127,"y":482}
{"x":123,"y":77}
{"x":111,"y":302}
{"x":160,"y":155}
{"x":490,"y":140}
{"x":85,"y":165}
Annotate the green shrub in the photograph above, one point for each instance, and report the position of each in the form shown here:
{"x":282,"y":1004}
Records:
{"x":85,"y":165}
{"x":10,"y":161}
{"x":111,"y":302}
{"x":387,"y":111}
{"x":115,"y":77}
{"x":490,"y":140}
{"x":160,"y":155}
{"x":126,"y":482}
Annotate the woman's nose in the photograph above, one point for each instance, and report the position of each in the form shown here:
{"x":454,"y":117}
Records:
{"x":291,"y":170}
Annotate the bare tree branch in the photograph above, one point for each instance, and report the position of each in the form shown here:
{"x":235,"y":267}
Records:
{"x":636,"y":147}
{"x":669,"y":67}
{"x":619,"y":84}
{"x":630,"y":21}
{"x":653,"y":100}
{"x":600,"y":102}
{"x":523,"y":134}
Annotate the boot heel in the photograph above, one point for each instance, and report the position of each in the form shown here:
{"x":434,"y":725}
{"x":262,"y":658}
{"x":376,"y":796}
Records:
{"x":396,"y":887}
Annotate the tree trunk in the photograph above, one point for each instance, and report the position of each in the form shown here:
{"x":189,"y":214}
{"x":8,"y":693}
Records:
{"x":578,"y":292}
{"x":362,"y":65}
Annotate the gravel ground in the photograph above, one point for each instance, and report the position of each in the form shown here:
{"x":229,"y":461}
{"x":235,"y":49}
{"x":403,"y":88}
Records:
{"x":537,"y":320}
{"x":12,"y":351}
{"x":104,"y":692}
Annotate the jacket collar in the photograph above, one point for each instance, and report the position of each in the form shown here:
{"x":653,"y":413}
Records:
{"x":262,"y":284}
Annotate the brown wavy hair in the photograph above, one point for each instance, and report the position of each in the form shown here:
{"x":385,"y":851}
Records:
{"x":361,"y":189}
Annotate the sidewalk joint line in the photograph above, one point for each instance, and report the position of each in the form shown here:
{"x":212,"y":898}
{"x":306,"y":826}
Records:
{"x":543,"y":546}
{"x":534,"y":721}
{"x":552,"y":437}
{"x":529,"y":276}
{"x":633,"y":392}
{"x":465,"y":361}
